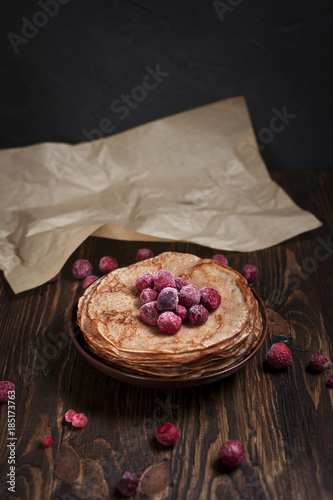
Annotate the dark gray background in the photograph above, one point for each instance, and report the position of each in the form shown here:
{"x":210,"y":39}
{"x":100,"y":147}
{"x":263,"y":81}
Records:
{"x":66,"y":75}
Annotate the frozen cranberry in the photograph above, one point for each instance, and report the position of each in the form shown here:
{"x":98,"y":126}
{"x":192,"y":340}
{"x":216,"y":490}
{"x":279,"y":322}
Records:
{"x":149,"y":313}
{"x":107,"y":264}
{"x":127,"y":484}
{"x":162,"y":279}
{"x":169,"y":323}
{"x":189,"y":296}
{"x":144,"y":281}
{"x":198,"y":314}
{"x":232,"y":453}
{"x":250,"y":272}
{"x":47,"y":441}
{"x":81,"y":268}
{"x":5,"y":388}
{"x":88,"y":280}
{"x":55,"y":278}
{"x":148,"y":295}
{"x":181,"y":311}
{"x":180,"y":282}
{"x":79,"y":420}
{"x":143,"y":254}
{"x":318,"y":362}
{"x":210,"y":298}
{"x":69,"y":415}
{"x":167,"y":299}
{"x":167,"y":434}
{"x":220,"y":258}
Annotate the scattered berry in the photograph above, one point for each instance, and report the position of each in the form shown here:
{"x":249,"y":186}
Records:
{"x":163,"y":279}
{"x":250,"y":272}
{"x":220,"y":258}
{"x":47,"y":441}
{"x":143,"y":254}
{"x":169,"y":323}
{"x":180,"y":282}
{"x":69,"y":415}
{"x":167,"y":434}
{"x":279,"y":356}
{"x":149,"y":313}
{"x":55,"y":278}
{"x":330,"y":382}
{"x":198,"y":314}
{"x":167,"y":299}
{"x":318,"y":362}
{"x":232,"y":453}
{"x":79,"y":420}
{"x":144,"y":281}
{"x":189,"y":296}
{"x":148,"y":295}
{"x":181,"y":311}
{"x":5,"y":388}
{"x":210,"y":298}
{"x":81,"y":268}
{"x":127,"y":484}
{"x":88,"y":280}
{"x":107,"y":264}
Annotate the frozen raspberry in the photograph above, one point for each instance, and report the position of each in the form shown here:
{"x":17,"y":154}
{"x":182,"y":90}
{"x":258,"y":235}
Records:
{"x":167,"y":434}
{"x":149,"y":313}
{"x":107,"y":264}
{"x":279,"y":356}
{"x":163,"y":279}
{"x":167,"y":299}
{"x":69,"y":415}
{"x":5,"y":388}
{"x":144,"y":281}
{"x":127,"y":484}
{"x":55,"y":278}
{"x":189,"y":296}
{"x":79,"y":420}
{"x":318,"y":362}
{"x":330,"y":382}
{"x":220,"y":258}
{"x":180,"y":282}
{"x":143,"y":254}
{"x":169,"y":323}
{"x":88,"y":280}
{"x":232,"y":453}
{"x":81,"y":268}
{"x":47,"y":441}
{"x":198,"y":314}
{"x":250,"y":272}
{"x":210,"y":298}
{"x":181,"y":311}
{"x":148,"y":295}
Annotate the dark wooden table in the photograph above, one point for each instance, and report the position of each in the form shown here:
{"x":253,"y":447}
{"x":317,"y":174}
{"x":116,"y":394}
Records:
{"x":284,"y":418}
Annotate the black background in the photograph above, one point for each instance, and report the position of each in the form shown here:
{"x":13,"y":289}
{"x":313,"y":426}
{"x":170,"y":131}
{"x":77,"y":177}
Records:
{"x":64,"y":78}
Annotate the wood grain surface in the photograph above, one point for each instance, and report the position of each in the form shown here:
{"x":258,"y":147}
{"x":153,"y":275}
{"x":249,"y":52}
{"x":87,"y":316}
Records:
{"x":282,"y":417}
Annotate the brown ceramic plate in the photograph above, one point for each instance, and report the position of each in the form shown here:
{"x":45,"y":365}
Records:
{"x":156,"y":382}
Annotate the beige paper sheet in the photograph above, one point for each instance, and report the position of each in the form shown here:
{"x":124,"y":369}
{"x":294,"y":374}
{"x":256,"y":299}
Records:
{"x":196,"y":176}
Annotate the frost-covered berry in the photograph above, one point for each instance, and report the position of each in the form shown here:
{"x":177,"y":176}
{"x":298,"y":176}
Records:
{"x":180,"y":282}
{"x":318,"y":362}
{"x":47,"y":441}
{"x":79,"y":420}
{"x":210,"y":298}
{"x":279,"y":356}
{"x":88,"y":280}
{"x":250,"y":272}
{"x":81,"y":268}
{"x":181,"y":311}
{"x":198,"y":314}
{"x":69,"y":415}
{"x":232,"y":453}
{"x":162,"y":279}
{"x":146,"y":280}
{"x":167,"y":434}
{"x":189,"y":296}
{"x":221,"y":258}
{"x":329,"y":382}
{"x":107,"y":264}
{"x":5,"y":388}
{"x":127,"y":484}
{"x":167,"y":299}
{"x":149,"y":313}
{"x":169,"y":323}
{"x":55,"y":278}
{"x":148,"y":295}
{"x":143,"y":254}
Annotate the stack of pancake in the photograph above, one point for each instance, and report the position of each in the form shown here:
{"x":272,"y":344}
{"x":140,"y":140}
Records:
{"x":108,"y":316}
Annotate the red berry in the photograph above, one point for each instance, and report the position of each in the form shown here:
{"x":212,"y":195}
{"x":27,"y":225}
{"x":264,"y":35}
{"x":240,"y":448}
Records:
{"x":79,"y":420}
{"x":162,"y":279}
{"x":189,"y":296}
{"x":69,"y":415}
{"x":167,"y":299}
{"x":88,"y":280}
{"x":146,"y":280}
{"x":143,"y":254}
{"x":232,"y":453}
{"x":149,"y":313}
{"x":148,"y":295}
{"x":250,"y":272}
{"x":210,"y":298}
{"x":181,"y":311}
{"x":5,"y":388}
{"x":47,"y":441}
{"x":279,"y":356}
{"x":198,"y":314}
{"x":55,"y":278}
{"x":107,"y":264}
{"x":81,"y":268}
{"x":318,"y":362}
{"x":220,"y":258}
{"x":167,"y":434}
{"x":330,"y":382}
{"x":169,"y":323}
{"x":180,"y":282}
{"x":127,"y":484}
